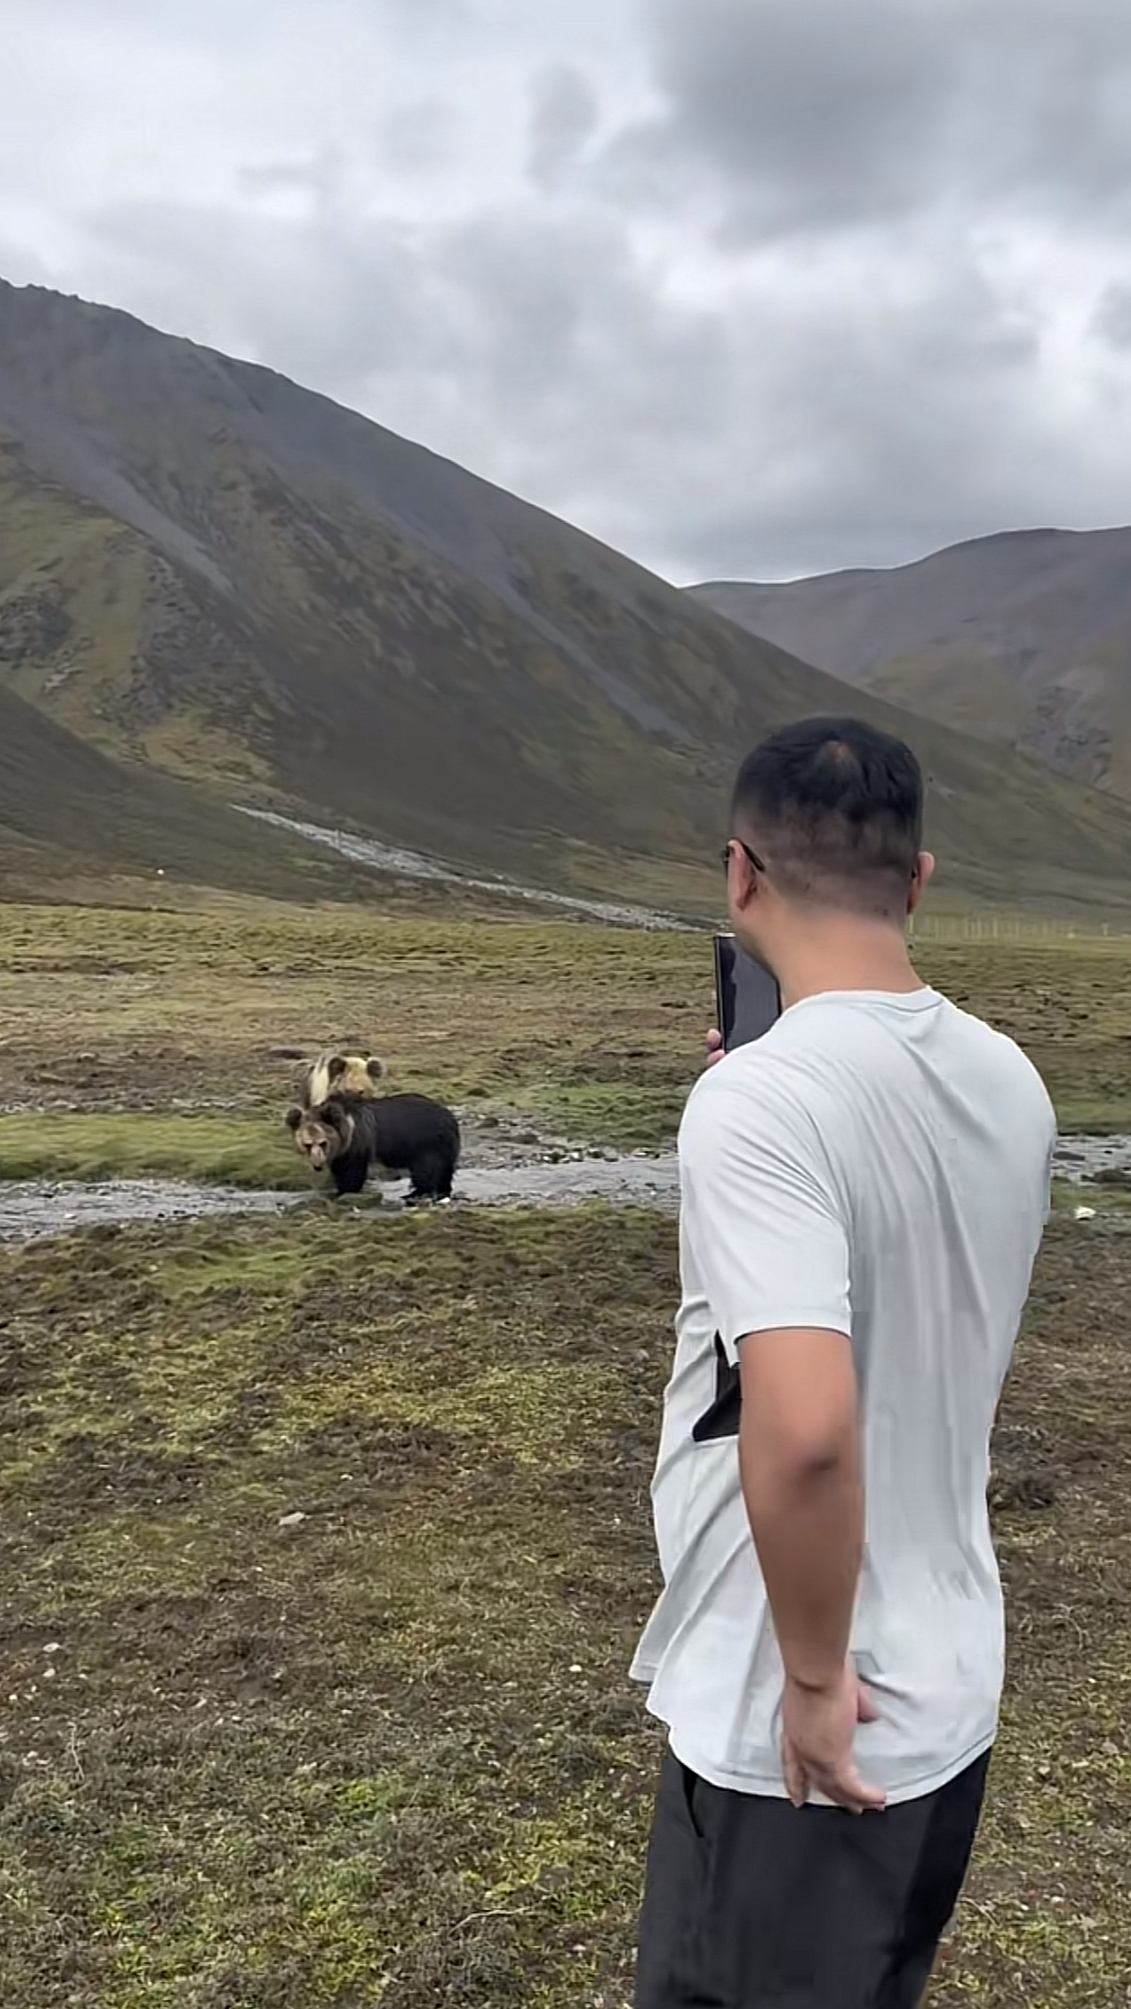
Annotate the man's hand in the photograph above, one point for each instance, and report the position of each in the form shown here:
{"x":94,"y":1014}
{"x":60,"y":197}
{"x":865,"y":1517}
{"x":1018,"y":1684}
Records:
{"x":818,"y":1728}
{"x":714,"y":1046}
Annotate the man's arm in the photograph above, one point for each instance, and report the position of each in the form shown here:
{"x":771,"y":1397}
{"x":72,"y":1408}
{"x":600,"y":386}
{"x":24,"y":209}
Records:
{"x":769,"y":1237}
{"x":799,"y":1455}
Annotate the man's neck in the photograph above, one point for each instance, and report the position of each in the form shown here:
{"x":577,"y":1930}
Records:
{"x":845,"y":955}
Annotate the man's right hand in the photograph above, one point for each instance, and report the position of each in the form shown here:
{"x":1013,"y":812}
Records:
{"x":714,"y":1046}
{"x":818,"y":1727}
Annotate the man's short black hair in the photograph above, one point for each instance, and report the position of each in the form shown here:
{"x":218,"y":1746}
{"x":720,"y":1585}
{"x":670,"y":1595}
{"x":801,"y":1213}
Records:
{"x":836,"y":807}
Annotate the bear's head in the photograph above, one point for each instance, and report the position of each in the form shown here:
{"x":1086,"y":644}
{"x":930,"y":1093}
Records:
{"x":341,"y":1074}
{"x":321,"y":1134}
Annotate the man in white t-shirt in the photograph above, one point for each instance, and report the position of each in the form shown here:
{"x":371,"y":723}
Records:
{"x":863,"y":1193}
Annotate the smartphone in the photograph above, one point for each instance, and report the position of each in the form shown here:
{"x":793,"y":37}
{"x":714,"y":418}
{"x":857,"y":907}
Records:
{"x":747,"y":998}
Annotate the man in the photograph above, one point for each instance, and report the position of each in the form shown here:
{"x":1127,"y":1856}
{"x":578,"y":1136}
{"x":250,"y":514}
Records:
{"x":863,"y":1193}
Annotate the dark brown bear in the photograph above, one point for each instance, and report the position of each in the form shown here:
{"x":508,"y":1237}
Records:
{"x":348,"y":1134}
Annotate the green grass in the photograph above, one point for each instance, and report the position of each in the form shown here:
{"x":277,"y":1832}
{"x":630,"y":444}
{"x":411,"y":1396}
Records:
{"x":1105,"y":1196}
{"x":156,"y":1034}
{"x":216,"y":1150}
{"x":389,"y":1756}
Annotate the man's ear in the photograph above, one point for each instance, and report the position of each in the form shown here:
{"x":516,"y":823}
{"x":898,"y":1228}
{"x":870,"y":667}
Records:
{"x":743,"y":880}
{"x":920,"y":879}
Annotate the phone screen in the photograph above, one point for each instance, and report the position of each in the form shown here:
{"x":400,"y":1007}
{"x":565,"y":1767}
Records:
{"x":747,"y":997}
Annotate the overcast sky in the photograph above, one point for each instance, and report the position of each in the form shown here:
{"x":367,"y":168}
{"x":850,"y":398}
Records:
{"x":749,"y":288}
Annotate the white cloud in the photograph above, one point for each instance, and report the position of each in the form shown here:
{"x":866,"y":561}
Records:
{"x":740,"y":289}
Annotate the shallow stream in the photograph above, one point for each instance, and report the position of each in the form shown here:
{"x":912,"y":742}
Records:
{"x":34,"y":1208}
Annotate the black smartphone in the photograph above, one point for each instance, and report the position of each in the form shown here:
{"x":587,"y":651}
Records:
{"x":747,"y":998}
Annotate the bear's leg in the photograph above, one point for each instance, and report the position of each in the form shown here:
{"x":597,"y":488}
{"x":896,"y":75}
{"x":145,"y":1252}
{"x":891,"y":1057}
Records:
{"x":431,"y":1175}
{"x":349,"y":1172}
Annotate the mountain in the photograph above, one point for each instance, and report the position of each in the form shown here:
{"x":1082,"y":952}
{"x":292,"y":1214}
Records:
{"x":231,"y":590}
{"x":1023,"y":638}
{"x":69,"y":815}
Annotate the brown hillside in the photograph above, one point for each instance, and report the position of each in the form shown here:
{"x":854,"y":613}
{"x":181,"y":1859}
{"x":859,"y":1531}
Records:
{"x":210,"y":574}
{"x":1023,"y":638}
{"x":69,"y":812}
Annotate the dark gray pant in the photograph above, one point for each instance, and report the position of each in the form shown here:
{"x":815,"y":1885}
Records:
{"x":751,"y":1903}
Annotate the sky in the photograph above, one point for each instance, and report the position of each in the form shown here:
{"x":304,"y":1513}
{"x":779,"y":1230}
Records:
{"x":747,"y":288}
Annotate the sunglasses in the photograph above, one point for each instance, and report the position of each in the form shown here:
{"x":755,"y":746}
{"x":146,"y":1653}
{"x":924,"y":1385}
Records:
{"x":751,"y":856}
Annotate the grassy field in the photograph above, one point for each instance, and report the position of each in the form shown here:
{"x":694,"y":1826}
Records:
{"x":159,"y":1033}
{"x":387,"y":1754}
{"x":324,"y":1542}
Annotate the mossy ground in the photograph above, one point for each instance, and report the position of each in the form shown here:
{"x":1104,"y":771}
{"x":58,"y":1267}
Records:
{"x":234,"y":1150}
{"x":388,"y":1754}
{"x":158,"y":1035}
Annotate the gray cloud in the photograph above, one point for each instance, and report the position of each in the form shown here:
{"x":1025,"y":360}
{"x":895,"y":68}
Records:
{"x":564,"y":114}
{"x":902,"y":423}
{"x":814,"y":114}
{"x":420,"y":138}
{"x":327,"y":301}
{"x":740,"y":289}
{"x":826,"y":116}
{"x":320,"y":178}
{"x":412,"y":15}
{"x":1112,"y":320}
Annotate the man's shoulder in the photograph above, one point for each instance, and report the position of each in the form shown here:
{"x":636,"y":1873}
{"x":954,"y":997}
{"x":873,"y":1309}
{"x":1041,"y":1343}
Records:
{"x":749,"y":1073}
{"x":753,"y":1094}
{"x":1003,"y":1053}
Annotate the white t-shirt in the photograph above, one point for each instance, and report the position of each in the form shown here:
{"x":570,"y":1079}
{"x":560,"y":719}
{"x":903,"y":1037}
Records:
{"x":877,"y":1164}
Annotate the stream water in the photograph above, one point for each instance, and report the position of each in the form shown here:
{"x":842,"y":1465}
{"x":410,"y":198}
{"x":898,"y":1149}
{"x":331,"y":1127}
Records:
{"x":31,"y":1209}
{"x":401,"y":864}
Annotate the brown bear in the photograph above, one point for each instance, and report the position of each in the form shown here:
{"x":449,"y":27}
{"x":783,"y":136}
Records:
{"x":333,"y":1073}
{"x":348,"y":1134}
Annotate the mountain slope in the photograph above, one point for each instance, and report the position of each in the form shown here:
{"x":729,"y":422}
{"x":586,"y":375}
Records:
{"x":1023,"y":637}
{"x":210,"y":574}
{"x":69,"y":812}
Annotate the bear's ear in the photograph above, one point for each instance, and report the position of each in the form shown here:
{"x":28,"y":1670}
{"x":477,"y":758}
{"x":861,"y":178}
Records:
{"x":294,"y":1118}
{"x":335,"y":1067}
{"x":375,"y":1068}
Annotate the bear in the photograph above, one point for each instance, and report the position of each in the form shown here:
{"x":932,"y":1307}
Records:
{"x":333,"y":1073}
{"x":348,"y":1134}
